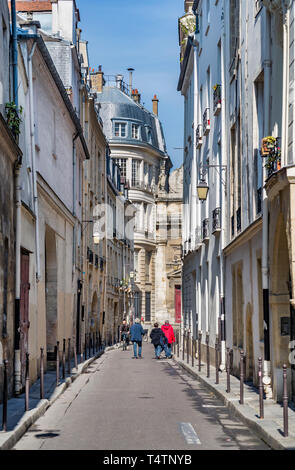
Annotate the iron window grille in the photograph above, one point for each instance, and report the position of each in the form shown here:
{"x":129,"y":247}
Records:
{"x":217,"y":99}
{"x":216,"y":220}
{"x":205,"y":229}
{"x":206,"y":121}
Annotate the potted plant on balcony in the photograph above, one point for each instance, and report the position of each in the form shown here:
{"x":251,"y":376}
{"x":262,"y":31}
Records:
{"x":268,"y":144}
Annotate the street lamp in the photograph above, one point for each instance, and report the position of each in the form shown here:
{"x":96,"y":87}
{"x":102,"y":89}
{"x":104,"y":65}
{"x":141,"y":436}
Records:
{"x":202,"y":187}
{"x":203,"y":190}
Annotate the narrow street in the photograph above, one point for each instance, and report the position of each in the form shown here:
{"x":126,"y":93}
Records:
{"x":125,"y":404}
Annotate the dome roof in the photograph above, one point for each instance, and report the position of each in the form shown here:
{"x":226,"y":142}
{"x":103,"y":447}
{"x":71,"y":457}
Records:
{"x":116,"y":106}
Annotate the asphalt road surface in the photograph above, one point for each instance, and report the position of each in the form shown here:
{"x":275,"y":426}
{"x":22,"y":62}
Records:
{"x":122,"y":403}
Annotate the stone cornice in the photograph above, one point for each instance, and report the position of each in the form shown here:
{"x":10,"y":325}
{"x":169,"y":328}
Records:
{"x":250,"y":231}
{"x":275,"y":6}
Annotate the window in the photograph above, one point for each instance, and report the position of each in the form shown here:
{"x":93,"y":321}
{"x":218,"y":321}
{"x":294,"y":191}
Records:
{"x":135,"y":131}
{"x":147,"y":306}
{"x":135,"y":172}
{"x":148,"y":257}
{"x":122,"y":164}
{"x":234,"y":6}
{"x":149,"y":136}
{"x":120,"y":129}
{"x":150,"y":174}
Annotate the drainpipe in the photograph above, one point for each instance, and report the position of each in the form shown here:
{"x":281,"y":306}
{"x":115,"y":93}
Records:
{"x":265,"y":268}
{"x":14,"y":53}
{"x":223,"y":192}
{"x":33,"y":159}
{"x":74,"y":201}
{"x":286,"y":15}
{"x":17,"y":360}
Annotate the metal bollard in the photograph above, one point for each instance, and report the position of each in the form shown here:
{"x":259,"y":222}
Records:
{"x":42,"y":374}
{"x":64,"y":359}
{"x":260,"y":386}
{"x":75,"y":356}
{"x":217,"y":360}
{"x":242,"y":377}
{"x":57,"y":363}
{"x":93,"y":343}
{"x":85,"y":347}
{"x":89,"y":345}
{"x":5,"y":396}
{"x":69,"y":356}
{"x":285,"y":401}
{"x":27,"y":384}
{"x":187,"y":347}
{"x":193,"y":349}
{"x":178,"y":340}
{"x":227,"y":370}
{"x":183,"y":344}
{"x":208,"y":355}
{"x":200,"y":350}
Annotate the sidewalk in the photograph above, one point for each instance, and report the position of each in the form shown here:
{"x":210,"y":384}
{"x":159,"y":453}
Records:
{"x":18,"y":420}
{"x":269,"y":429}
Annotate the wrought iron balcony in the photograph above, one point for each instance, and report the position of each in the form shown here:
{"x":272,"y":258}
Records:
{"x":217,"y":99}
{"x":199,"y":137}
{"x":216,"y":220}
{"x":205,"y":230}
{"x":206,"y":122}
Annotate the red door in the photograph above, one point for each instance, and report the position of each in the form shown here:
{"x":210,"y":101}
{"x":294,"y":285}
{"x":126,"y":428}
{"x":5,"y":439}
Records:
{"x":24,"y":312}
{"x":177,"y":304}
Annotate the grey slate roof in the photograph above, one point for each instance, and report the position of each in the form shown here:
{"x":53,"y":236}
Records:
{"x":116,"y":106}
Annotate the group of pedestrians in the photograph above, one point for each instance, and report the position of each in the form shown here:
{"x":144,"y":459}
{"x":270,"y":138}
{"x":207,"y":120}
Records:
{"x":161,"y":338}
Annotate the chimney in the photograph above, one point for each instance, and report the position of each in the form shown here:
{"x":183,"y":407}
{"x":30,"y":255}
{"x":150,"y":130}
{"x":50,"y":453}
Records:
{"x":155,"y":105}
{"x":188,"y":5}
{"x":136,"y":96}
{"x":97,"y":80}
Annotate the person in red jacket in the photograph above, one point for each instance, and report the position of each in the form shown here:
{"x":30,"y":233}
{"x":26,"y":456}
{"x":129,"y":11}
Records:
{"x":169,"y":333}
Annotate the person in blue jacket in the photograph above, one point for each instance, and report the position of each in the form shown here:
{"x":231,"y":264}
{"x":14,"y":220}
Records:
{"x":136,"y":334}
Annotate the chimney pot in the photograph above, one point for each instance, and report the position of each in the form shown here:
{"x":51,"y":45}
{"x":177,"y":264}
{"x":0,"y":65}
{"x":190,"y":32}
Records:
{"x":155,"y":105}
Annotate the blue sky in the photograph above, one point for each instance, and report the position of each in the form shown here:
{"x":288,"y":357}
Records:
{"x":142,"y":34}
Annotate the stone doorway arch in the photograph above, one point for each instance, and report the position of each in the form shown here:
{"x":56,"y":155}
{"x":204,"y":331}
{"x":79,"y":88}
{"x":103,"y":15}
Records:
{"x":280,"y":307}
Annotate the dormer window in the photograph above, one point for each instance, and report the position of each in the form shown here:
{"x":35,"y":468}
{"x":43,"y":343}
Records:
{"x":135,"y":131}
{"x":120,"y":129}
{"x":149,"y":136}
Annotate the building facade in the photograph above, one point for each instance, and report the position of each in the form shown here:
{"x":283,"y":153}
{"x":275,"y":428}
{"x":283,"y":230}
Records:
{"x":138,"y":147}
{"x":242,"y":154}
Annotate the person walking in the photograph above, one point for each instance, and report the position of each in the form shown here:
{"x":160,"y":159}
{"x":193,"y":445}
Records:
{"x":136,"y":334}
{"x":158,"y":340}
{"x":124,"y":333}
{"x":169,"y":333}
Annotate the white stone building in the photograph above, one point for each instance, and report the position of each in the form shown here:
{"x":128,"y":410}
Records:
{"x":246,"y":271}
{"x":200,"y":83}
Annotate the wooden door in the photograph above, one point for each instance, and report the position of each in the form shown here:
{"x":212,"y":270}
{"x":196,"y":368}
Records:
{"x":177,"y":304}
{"x":24,"y":312}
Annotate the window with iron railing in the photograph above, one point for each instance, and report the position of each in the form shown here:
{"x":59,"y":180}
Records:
{"x":205,"y":229}
{"x":206,"y":121}
{"x":216,"y":220}
{"x":217,"y":99}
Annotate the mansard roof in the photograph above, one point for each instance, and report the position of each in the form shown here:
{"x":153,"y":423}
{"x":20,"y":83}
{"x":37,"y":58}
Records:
{"x":118,"y":106}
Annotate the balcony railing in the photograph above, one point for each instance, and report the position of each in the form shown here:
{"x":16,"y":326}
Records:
{"x":206,"y":122}
{"x":199,"y":136}
{"x":217,"y":99}
{"x":205,"y":230}
{"x":216,"y":220}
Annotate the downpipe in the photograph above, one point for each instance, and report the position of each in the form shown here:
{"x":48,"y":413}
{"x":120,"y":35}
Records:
{"x":17,"y":359}
{"x":33,"y":159}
